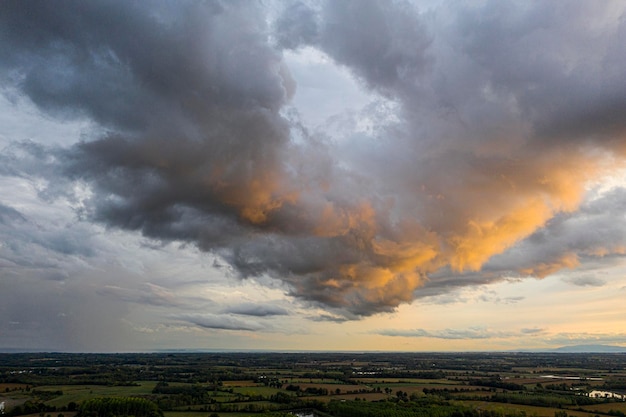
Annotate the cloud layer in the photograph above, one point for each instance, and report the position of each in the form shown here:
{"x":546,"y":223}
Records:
{"x":494,"y":121}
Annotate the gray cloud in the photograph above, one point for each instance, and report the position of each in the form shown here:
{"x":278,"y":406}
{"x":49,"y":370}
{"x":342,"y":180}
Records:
{"x":150,"y":294}
{"x":451,"y":334}
{"x":51,"y":248}
{"x":330,"y":318}
{"x":586,"y":338}
{"x":61,"y":315}
{"x":503,"y":113}
{"x":586,"y":281}
{"x":257,"y":310}
{"x":297,"y":26}
{"x":532,"y":330}
{"x":478,"y":333}
{"x":219,"y":322}
{"x":9,"y":215}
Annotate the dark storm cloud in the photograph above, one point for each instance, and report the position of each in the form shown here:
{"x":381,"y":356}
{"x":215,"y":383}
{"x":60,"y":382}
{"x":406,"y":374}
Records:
{"x":503,"y":113}
{"x":297,"y":26}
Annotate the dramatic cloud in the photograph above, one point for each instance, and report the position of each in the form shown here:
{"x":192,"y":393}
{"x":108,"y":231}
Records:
{"x":488,"y":126}
{"x":594,"y":231}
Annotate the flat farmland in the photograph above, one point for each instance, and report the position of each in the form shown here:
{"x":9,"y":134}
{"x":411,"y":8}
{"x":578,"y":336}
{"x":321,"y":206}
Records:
{"x":344,"y":385}
{"x":528,"y":410}
{"x":80,"y":393}
{"x":313,"y":380}
{"x":330,"y":387}
{"x":257,"y":390}
{"x":607,"y":407}
{"x":196,"y":414}
{"x":418,"y":381}
{"x":367,"y":396}
{"x":247,"y":383}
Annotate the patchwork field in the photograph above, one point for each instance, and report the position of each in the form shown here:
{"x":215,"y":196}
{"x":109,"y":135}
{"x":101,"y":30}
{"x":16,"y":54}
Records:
{"x":324,"y":384}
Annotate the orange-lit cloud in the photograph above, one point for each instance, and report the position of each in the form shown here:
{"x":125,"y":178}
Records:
{"x":476,"y":158}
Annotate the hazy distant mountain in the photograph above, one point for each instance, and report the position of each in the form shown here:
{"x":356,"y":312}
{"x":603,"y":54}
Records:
{"x":590,"y":349}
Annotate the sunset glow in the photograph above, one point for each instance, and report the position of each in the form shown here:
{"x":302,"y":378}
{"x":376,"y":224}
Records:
{"x":312,"y":175}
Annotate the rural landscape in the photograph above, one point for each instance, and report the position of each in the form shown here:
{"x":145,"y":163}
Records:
{"x":344,"y":384}
{"x":312,"y":208}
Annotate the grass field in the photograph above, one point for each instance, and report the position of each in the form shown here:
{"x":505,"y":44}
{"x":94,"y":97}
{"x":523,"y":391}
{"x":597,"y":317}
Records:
{"x":258,"y":390}
{"x":330,"y":387}
{"x":369,"y":396}
{"x":79,"y":393}
{"x":247,"y":383}
{"x":202,"y":414}
{"x":387,"y":381}
{"x":605,"y":408}
{"x":528,"y":409}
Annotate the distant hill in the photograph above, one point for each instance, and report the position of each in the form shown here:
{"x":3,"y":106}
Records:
{"x":590,"y":349}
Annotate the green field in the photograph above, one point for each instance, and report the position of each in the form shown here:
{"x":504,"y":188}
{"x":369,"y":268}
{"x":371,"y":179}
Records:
{"x":529,"y":410}
{"x":80,"y":393}
{"x":203,"y":414}
{"x":242,"y":384}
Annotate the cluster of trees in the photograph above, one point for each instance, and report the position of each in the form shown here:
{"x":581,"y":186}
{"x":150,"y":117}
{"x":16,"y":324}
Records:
{"x":447,"y":392}
{"x":497,"y":382}
{"x":121,"y":406}
{"x":195,"y":391}
{"x":30,"y":407}
{"x":271,"y":382}
{"x":618,"y":384}
{"x":38,"y":406}
{"x":315,"y":391}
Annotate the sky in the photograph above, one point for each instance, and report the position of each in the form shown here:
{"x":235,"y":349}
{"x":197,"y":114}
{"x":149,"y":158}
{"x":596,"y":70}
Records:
{"x":312,"y":175}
